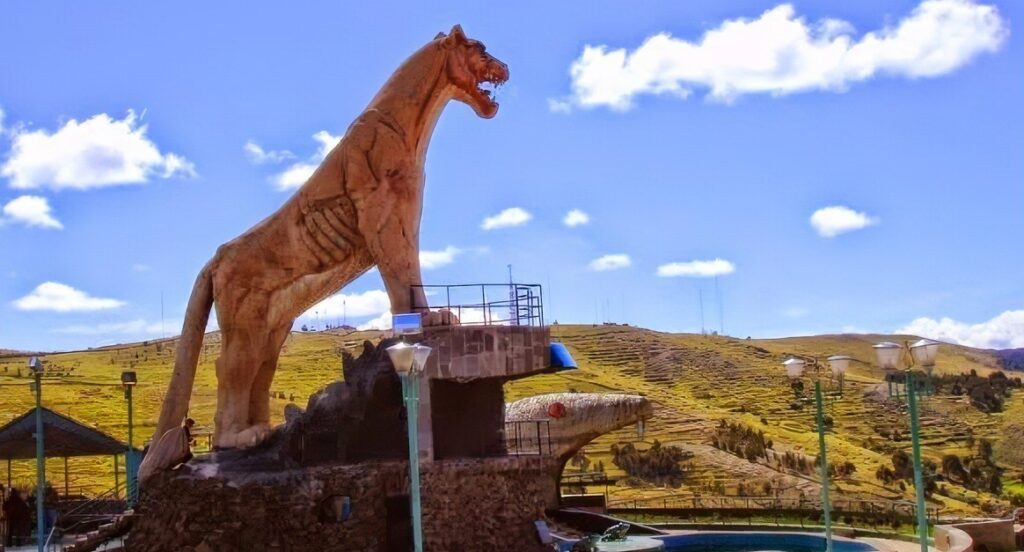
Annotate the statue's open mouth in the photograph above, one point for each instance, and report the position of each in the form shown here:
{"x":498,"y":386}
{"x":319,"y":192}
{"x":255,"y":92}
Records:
{"x":487,"y":87}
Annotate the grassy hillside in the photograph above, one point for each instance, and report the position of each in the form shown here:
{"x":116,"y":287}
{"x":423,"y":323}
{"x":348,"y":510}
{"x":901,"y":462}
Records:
{"x":696,"y":381}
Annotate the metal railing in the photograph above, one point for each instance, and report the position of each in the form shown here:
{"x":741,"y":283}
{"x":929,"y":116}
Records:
{"x":528,"y":438}
{"x":755,"y":504}
{"x":508,"y":304}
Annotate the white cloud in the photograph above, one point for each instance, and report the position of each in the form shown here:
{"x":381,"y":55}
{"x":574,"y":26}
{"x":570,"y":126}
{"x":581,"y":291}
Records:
{"x":54,"y":296}
{"x":1,"y":120}
{"x":829,"y":222}
{"x":258,"y":155}
{"x":576,"y":218}
{"x":697,"y":269}
{"x":298,"y":173}
{"x":1005,"y":331}
{"x":132,"y":327}
{"x":780,"y":53}
{"x":436,"y":259}
{"x":513,"y":216}
{"x":31,"y":211}
{"x":368,"y":303}
{"x":294,"y":176}
{"x":382,"y":322}
{"x":95,"y":153}
{"x":610,"y":262}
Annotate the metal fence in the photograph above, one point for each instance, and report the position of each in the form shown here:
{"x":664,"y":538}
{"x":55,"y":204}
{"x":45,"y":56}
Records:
{"x":528,"y":438}
{"x":508,"y":304}
{"x":759,"y":505}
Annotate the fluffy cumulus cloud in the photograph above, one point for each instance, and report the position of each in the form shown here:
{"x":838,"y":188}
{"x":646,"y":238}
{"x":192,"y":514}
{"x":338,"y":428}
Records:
{"x":355,"y":305}
{"x":31,"y":211}
{"x":610,"y":262}
{"x":437,"y":259}
{"x":298,"y":173}
{"x":1005,"y":331}
{"x":259,"y":156}
{"x":382,"y":322}
{"x":779,"y":52}
{"x":513,"y":216}
{"x":829,"y":222}
{"x":97,"y":152}
{"x":576,"y":218}
{"x":697,"y":269}
{"x":57,"y":297}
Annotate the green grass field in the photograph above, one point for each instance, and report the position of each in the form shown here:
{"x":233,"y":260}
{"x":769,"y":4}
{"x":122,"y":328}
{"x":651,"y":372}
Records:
{"x":695,"y":381}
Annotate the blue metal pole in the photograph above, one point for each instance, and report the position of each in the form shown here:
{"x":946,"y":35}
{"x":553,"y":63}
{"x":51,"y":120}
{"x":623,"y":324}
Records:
{"x":826,"y":505}
{"x":40,"y":466}
{"x":410,"y":391}
{"x":915,"y":439}
{"x":130,"y":461}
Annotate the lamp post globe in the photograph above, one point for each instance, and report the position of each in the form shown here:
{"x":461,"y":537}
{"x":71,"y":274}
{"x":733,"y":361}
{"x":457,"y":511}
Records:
{"x":924,"y":352}
{"x":888,"y":355}
{"x":839,"y":364}
{"x":401,"y":355}
{"x":794,"y":367}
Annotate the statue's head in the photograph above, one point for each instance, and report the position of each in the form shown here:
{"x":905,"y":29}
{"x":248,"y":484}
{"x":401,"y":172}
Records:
{"x":474,"y":73}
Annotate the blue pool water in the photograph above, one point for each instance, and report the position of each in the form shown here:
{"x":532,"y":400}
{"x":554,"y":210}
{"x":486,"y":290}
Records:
{"x":757,"y":542}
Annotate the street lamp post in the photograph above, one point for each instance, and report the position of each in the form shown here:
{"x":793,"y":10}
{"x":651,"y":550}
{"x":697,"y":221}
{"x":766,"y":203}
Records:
{"x":409,"y":361}
{"x":128,"y":381}
{"x":923,"y":352}
{"x":795,"y":369}
{"x":36,"y":366}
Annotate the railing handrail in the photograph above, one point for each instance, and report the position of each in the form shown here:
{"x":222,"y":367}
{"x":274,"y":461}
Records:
{"x":524,"y":303}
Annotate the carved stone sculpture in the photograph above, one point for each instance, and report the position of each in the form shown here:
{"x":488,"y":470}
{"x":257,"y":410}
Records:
{"x":361,"y":208}
{"x":587,"y":416}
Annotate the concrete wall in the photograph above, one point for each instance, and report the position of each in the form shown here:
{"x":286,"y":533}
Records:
{"x":994,"y":536}
{"x":951,"y":539}
{"x":470,"y":504}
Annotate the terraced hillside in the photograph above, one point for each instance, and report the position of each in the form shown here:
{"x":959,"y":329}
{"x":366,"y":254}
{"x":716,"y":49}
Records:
{"x":695,"y":381}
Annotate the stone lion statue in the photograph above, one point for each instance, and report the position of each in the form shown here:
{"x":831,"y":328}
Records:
{"x":360,"y":209}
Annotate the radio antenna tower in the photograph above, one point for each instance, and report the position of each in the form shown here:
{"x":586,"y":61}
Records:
{"x":700,"y":298}
{"x":721,"y":309}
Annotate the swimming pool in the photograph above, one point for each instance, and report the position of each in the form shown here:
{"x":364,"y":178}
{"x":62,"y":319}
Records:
{"x":756,"y":542}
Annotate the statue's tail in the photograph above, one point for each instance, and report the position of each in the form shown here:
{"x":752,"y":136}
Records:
{"x":186,"y":357}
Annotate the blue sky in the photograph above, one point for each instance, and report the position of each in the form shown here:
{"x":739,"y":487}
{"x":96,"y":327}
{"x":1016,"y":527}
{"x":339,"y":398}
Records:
{"x":684,"y":131}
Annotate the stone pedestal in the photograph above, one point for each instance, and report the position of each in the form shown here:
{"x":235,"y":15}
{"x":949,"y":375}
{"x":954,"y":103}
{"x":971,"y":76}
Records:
{"x":468,"y":504}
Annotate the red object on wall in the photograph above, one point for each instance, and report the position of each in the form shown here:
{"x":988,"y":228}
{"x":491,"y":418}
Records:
{"x":556,"y":410}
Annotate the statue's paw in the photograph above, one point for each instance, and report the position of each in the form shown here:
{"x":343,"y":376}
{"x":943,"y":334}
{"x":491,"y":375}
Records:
{"x":443,"y":317}
{"x":248,"y":437}
{"x":253,"y":435}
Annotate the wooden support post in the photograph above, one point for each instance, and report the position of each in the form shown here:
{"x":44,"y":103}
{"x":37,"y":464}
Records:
{"x":65,"y":477}
{"x":117,"y":480}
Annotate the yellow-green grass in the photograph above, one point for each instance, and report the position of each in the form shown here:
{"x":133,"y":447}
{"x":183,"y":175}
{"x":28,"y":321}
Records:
{"x":694,"y":381}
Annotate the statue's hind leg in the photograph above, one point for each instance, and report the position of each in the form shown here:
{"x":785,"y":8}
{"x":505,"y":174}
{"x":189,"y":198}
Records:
{"x":259,"y":394}
{"x":246,"y":335}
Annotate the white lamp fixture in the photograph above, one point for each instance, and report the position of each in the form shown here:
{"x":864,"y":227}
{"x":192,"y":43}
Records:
{"x":888,"y":354}
{"x":401,"y":357}
{"x":407,"y":357}
{"x":839,"y":364}
{"x":924,"y":352}
{"x":35,"y":365}
{"x":794,"y":367}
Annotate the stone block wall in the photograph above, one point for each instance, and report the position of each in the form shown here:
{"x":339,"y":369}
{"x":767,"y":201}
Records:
{"x":469,"y":504}
{"x":470,"y":352}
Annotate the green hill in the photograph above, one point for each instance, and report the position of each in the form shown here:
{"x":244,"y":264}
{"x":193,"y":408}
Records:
{"x":695,"y":381}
